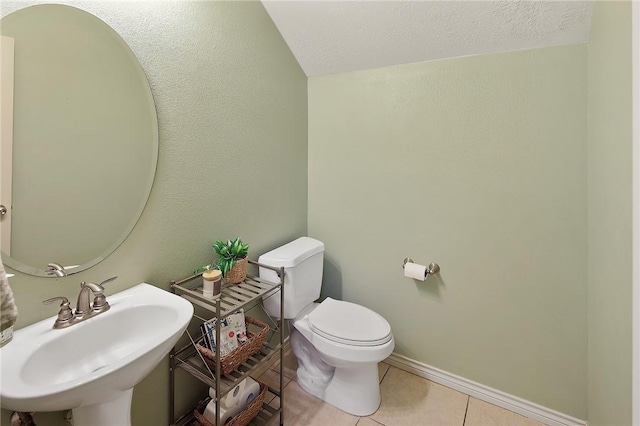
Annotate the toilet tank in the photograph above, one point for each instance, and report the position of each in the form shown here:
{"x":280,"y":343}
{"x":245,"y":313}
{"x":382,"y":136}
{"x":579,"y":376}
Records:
{"x":302,"y":260}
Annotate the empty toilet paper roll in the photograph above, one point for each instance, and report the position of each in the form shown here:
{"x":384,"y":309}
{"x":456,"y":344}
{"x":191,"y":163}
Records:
{"x":415,"y":271}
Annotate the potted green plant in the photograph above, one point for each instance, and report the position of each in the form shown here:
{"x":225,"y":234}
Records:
{"x":232,"y":260}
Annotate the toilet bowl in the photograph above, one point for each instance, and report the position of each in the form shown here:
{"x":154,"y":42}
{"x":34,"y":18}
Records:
{"x":336,"y":365}
{"x":338,"y":344}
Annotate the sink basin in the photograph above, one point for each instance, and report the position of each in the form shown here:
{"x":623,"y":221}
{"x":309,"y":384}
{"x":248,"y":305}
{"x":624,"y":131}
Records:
{"x":95,"y":362}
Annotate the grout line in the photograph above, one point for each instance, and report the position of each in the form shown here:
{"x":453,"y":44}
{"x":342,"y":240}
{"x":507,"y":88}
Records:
{"x":466,"y":410}
{"x":385,"y":373}
{"x":370,"y":419}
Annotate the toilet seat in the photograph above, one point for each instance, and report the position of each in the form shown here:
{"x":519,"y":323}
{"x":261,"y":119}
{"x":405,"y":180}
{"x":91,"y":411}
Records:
{"x":349,"y":324}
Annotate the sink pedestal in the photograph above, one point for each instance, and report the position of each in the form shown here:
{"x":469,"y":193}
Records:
{"x":110,"y":413}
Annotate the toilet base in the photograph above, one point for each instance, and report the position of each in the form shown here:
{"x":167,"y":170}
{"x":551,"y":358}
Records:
{"x":354,"y":390}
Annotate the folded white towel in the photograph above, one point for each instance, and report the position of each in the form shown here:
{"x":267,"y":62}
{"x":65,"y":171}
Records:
{"x":8,"y":308}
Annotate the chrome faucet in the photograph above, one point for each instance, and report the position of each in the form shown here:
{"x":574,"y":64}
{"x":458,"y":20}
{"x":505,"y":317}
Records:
{"x":83,"y":307}
{"x":84,"y":310}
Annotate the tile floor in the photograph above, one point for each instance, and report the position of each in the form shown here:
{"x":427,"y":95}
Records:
{"x":407,"y":399}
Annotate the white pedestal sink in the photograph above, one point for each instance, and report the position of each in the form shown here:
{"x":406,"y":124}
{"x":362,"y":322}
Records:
{"x":92,"y":367}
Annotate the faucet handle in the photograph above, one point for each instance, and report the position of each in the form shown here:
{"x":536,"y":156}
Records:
{"x":65,"y":301}
{"x":65,"y":313}
{"x":97,"y":287}
{"x":100,"y":301}
{"x":107,"y":281}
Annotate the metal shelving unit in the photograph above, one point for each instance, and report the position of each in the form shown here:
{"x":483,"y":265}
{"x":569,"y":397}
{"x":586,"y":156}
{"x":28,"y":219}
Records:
{"x":247,"y":294}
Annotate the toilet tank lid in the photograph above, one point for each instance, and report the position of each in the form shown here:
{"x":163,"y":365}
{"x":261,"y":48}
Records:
{"x":291,"y":254}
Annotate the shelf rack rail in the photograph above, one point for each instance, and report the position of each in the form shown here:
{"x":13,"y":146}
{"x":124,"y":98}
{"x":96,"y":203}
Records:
{"x":246,"y":294}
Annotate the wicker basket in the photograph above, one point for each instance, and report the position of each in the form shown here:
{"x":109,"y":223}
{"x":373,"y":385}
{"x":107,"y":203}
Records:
{"x":233,"y":359}
{"x":238,"y":272}
{"x":243,"y":418}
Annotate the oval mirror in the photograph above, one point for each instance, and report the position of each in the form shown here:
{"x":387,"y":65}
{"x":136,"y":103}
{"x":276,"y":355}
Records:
{"x":83,"y":139}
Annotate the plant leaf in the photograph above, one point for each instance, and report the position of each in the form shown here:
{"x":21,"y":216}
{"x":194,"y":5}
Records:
{"x":229,"y":252}
{"x":202,"y":269}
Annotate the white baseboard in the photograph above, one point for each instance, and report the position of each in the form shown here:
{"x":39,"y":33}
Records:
{"x":484,"y":393}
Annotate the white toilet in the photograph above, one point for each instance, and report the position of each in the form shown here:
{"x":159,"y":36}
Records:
{"x":338,"y":344}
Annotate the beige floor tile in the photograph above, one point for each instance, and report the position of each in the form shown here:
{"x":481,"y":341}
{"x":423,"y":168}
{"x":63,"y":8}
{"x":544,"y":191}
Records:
{"x":366,"y":421}
{"x":411,"y":400}
{"x":272,"y":378}
{"x":271,"y":399}
{"x":303,"y":409}
{"x":274,"y":402}
{"x":382,"y":369}
{"x":480,"y":413}
{"x":290,"y":365}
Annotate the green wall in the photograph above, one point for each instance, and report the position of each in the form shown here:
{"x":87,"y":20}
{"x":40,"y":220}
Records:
{"x":232,"y":113}
{"x":478,"y":164}
{"x":609,"y":210}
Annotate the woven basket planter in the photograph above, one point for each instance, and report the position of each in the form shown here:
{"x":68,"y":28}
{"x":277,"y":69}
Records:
{"x":233,"y":359}
{"x":243,"y":418}
{"x":238,"y":272}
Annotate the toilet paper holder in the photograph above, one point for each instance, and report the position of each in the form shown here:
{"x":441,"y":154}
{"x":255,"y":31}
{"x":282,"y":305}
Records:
{"x":433,"y":268}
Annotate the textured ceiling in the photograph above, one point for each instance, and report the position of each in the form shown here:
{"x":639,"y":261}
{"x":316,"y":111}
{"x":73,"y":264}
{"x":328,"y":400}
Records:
{"x":338,"y":36}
